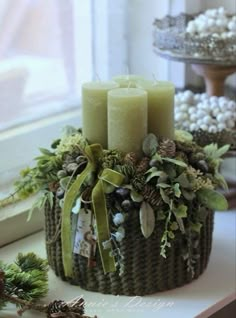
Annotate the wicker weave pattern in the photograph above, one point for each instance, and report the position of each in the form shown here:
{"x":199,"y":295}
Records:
{"x":146,"y":272}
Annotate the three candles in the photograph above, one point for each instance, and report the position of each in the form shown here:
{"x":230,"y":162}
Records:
{"x":120,"y":118}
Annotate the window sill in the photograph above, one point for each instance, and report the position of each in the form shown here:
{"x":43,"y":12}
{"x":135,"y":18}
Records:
{"x":202,"y":298}
{"x":13,"y":221}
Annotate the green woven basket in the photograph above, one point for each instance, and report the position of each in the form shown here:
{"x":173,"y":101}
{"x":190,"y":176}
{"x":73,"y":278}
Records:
{"x":145,"y":271}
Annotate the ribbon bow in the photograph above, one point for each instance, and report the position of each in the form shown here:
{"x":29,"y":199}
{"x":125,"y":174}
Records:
{"x":93,"y":152}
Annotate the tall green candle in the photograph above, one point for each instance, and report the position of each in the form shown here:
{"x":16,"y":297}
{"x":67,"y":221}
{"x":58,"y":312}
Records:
{"x":128,"y":80}
{"x":127,"y":119}
{"x":160,"y":107}
{"x":94,"y":111}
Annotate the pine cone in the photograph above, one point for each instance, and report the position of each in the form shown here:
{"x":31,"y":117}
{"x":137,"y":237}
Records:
{"x":110,"y":159}
{"x":151,"y":195}
{"x":57,"y":306}
{"x":143,"y":165}
{"x":131,"y":158}
{"x":139,"y":182}
{"x":167,"y":148}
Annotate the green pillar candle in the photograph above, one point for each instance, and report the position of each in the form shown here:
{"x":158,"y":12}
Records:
{"x":160,"y":107}
{"x":127,"y":119}
{"x":94,"y":111}
{"x":128,"y":80}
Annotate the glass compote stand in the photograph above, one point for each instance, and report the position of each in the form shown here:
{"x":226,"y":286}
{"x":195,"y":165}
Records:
{"x":211,"y":57}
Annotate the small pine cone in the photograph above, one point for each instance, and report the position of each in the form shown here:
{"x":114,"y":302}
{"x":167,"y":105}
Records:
{"x":143,"y":165}
{"x":57,"y":306}
{"x":131,"y":158}
{"x":127,"y":170}
{"x":167,"y":148}
{"x":138,"y":182}
{"x":151,"y":195}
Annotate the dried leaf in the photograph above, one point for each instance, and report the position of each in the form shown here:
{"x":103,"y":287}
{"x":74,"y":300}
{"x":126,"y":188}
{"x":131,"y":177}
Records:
{"x":212,"y":199}
{"x":150,"y":145}
{"x":147,"y":219}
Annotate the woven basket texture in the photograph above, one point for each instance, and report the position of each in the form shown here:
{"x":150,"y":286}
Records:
{"x":145,"y":271}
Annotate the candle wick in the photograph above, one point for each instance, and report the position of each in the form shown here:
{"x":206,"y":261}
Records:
{"x":97,"y":77}
{"x":155,"y":79}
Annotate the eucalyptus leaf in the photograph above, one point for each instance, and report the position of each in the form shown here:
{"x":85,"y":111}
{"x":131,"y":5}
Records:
{"x":182,"y":179}
{"x":150,"y":145}
{"x":153,"y":174}
{"x":176,"y":162}
{"x":64,"y":182}
{"x":164,"y":196}
{"x":147,"y":219}
{"x":212,"y":199}
{"x":135,"y":196}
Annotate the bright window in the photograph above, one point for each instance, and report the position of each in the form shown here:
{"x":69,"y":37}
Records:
{"x":45,"y":54}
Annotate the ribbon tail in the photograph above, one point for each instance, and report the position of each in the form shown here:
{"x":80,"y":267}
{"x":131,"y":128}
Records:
{"x":66,"y":228}
{"x":103,"y":231}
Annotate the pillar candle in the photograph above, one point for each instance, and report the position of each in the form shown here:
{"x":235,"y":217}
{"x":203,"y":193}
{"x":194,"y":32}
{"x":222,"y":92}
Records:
{"x":128,"y":80}
{"x":160,"y":107}
{"x":94,"y":111}
{"x":127,"y":119}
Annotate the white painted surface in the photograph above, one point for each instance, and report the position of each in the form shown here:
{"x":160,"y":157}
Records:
{"x":215,"y":284}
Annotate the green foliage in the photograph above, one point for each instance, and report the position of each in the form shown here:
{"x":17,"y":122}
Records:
{"x":212,"y":151}
{"x":212,"y":199}
{"x":26,"y":279}
{"x":150,"y":145}
{"x":40,"y":203}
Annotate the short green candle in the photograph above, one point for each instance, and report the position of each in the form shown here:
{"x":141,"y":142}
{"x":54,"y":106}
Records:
{"x":160,"y":107}
{"x":128,"y":80}
{"x":127,"y":119}
{"x":94,"y":111}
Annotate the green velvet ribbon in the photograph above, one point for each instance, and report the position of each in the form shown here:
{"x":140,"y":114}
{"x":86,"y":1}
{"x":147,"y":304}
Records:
{"x":99,"y":208}
{"x":93,"y":152}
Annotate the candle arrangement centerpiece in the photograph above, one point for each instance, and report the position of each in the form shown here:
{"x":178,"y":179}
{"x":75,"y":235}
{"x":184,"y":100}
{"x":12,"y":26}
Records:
{"x":128,"y":201}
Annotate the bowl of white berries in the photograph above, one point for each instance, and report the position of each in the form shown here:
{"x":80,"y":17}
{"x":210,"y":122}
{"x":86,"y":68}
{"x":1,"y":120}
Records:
{"x":207,"y":118}
{"x":208,"y":36}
